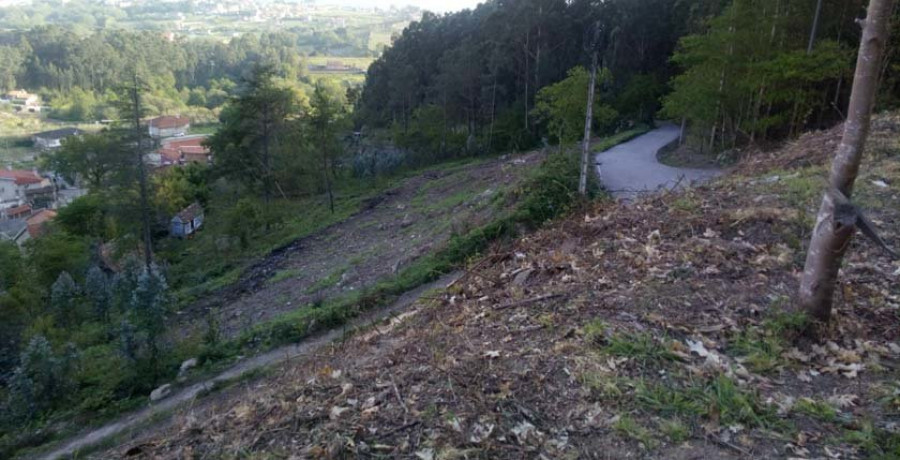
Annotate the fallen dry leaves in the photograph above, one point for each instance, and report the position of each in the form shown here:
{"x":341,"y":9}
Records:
{"x":514,"y":360}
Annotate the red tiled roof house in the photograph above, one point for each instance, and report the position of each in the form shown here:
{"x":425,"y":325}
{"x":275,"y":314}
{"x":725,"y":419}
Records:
{"x":169,"y":126}
{"x":15,"y":185}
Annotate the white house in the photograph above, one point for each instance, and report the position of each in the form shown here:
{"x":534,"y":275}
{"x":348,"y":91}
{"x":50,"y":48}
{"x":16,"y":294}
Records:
{"x":186,"y":222}
{"x":24,"y":101}
{"x":17,"y":185}
{"x":53,"y":139}
{"x":169,"y":126}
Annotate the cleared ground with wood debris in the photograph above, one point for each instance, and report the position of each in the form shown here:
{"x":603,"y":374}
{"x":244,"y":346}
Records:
{"x":660,"y":329}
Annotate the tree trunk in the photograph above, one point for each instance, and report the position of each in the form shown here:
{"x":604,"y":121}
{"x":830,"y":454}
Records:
{"x":815,"y":28}
{"x":493,"y":108}
{"x":325,"y":171}
{"x":526,"y":80}
{"x":831,"y":237}
{"x":142,"y":175}
{"x":588,"y":121}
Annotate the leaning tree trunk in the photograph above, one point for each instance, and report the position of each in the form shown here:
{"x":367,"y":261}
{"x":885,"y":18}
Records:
{"x":814,"y":30}
{"x":588,"y":121}
{"x":832,"y":233}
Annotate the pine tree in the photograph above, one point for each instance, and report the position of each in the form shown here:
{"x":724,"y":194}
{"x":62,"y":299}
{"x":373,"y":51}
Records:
{"x":149,"y":302}
{"x":63,"y":294}
{"x":128,"y":345}
{"x":97,"y":288}
{"x":40,"y":378}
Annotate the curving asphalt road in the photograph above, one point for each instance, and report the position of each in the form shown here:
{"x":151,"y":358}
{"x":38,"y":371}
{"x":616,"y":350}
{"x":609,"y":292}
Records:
{"x":631,"y":169}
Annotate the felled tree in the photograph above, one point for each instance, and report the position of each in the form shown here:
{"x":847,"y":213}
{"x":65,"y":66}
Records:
{"x":838,"y":219}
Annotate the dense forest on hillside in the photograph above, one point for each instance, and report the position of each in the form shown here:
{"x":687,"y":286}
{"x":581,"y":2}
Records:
{"x":78,"y":75}
{"x":735,"y":72}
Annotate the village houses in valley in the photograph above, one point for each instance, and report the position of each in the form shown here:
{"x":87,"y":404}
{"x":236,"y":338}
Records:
{"x":169,"y":126}
{"x":49,"y":140}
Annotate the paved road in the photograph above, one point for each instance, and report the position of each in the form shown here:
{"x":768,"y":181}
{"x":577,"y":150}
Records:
{"x":185,"y":396}
{"x":631,"y":169}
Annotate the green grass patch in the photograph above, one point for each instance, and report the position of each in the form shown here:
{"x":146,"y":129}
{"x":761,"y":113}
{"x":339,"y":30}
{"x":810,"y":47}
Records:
{"x":761,"y":347}
{"x":609,"y":142}
{"x":875,"y":442}
{"x":327,"y":282}
{"x":205,"y":129}
{"x":819,"y":410}
{"x":285,"y":274}
{"x":605,"y":386}
{"x":595,"y":331}
{"x":641,"y":347}
{"x":719,"y":399}
{"x":630,"y":428}
{"x":675,"y":430}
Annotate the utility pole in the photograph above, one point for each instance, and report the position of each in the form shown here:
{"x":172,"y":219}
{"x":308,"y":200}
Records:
{"x":589,"y":114}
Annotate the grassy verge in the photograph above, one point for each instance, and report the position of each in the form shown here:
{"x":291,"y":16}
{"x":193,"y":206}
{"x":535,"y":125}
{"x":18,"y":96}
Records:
{"x":609,"y":142}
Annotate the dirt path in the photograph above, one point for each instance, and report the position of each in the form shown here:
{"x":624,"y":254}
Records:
{"x":186,"y":396}
{"x":632,"y":168}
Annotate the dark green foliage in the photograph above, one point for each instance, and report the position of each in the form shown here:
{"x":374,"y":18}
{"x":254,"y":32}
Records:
{"x":85,"y":216}
{"x":149,"y":301}
{"x":10,"y":264}
{"x":97,"y":289}
{"x":41,"y":378}
{"x":465,"y":83}
{"x":63,"y":295}
{"x":244,"y":219}
{"x":553,"y":190}
{"x":749,"y":75}
{"x":253,"y":137}
{"x":55,"y":253}
{"x":561,"y":106}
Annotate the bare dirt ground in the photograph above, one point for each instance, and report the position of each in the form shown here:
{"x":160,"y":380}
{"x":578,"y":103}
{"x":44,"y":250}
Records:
{"x":392,"y":230}
{"x":657,"y":329}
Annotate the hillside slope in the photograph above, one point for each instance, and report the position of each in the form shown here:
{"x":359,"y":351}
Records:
{"x":659,"y":329}
{"x":392,"y":230}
